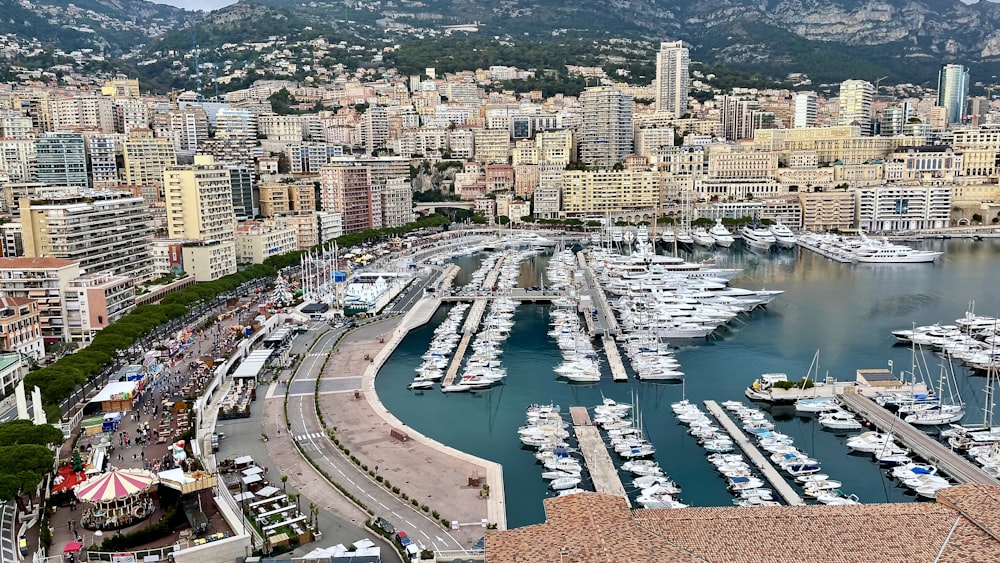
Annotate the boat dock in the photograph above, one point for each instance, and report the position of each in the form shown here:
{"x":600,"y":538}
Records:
{"x":836,"y":257}
{"x":750,"y":449}
{"x":614,"y":359}
{"x":471,"y":325}
{"x":604,"y":322}
{"x":595,"y":455}
{"x":936,"y":453}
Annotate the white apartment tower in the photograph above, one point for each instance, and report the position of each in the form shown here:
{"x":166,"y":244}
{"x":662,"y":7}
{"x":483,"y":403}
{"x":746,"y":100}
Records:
{"x":672,"y":78}
{"x":953,"y":91}
{"x":805,"y":110}
{"x":605,"y":137}
{"x":856,"y":104}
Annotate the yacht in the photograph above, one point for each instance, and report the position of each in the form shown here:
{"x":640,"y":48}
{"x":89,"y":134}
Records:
{"x":757,"y":239}
{"x":888,"y":253}
{"x":782,"y":235}
{"x":683,"y":239}
{"x":702,"y":237}
{"x":721,"y":235}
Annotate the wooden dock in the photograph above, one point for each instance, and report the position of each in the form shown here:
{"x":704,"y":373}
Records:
{"x":471,"y":325}
{"x":936,"y":453}
{"x":756,"y":457}
{"x":595,"y":455}
{"x":614,"y":359}
{"x":456,"y":360}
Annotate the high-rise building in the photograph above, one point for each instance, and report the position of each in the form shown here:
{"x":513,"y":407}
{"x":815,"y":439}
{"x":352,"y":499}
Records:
{"x":107,"y":232}
{"x":242,"y":182}
{"x":145,"y":159}
{"x":44,"y":280}
{"x":672,"y":78}
{"x":805,"y":110}
{"x":347,"y":189}
{"x":855,"y":106}
{"x":102,"y":156}
{"x":199,"y":201}
{"x":953,"y":91}
{"x":894,"y":118}
{"x":605,"y":133}
{"x":61,"y":159}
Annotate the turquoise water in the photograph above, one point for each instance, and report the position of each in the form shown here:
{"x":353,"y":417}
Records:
{"x":844,"y":311}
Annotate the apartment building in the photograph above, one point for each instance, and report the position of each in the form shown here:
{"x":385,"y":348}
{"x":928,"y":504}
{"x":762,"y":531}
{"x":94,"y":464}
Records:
{"x":145,"y":157}
{"x":200,"y":211}
{"x":258,"y":240}
{"x":347,"y":189}
{"x":900,"y":208}
{"x":308,"y":158}
{"x":43,"y":280}
{"x":20,"y":327}
{"x":186,"y":127}
{"x":397,"y":203}
{"x":614,"y":191}
{"x":95,"y":301}
{"x":130,"y":114}
{"x":18,"y":159}
{"x":274,"y":199}
{"x":107,"y":232}
{"x":102,"y":159}
{"x":605,"y":133}
{"x":61,"y":160}
{"x":85,"y":111}
{"x":827,"y":211}
{"x":492,"y":146}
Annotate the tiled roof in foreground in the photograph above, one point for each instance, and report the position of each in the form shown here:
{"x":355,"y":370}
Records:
{"x":964,"y":526}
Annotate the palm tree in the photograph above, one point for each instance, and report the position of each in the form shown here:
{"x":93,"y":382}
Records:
{"x":284,"y":479}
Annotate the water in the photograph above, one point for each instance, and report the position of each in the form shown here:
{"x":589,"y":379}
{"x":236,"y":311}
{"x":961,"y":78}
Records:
{"x":845,"y":311}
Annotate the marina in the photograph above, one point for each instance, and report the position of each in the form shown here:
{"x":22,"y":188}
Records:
{"x":760,"y":462}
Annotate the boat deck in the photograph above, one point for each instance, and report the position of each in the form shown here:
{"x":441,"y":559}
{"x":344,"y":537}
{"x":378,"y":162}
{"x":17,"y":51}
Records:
{"x":954,"y":465}
{"x":596,"y":456}
{"x":756,"y":457}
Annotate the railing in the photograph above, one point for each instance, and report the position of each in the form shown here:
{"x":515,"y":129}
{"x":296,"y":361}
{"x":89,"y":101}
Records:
{"x":161,"y":553}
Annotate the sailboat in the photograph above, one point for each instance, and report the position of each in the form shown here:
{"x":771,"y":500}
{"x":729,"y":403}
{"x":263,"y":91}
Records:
{"x":949,"y":409}
{"x":814,"y":404}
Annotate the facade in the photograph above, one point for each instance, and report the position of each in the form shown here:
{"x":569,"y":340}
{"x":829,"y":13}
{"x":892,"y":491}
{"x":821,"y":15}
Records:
{"x":199,"y":204}
{"x":61,"y":160}
{"x":20,"y":327}
{"x":258,"y":240}
{"x":347,"y":190}
{"x":492,"y":146}
{"x":241,"y":179}
{"x":306,"y":230}
{"x":805,"y":110}
{"x":605,"y":133}
{"x":95,"y":301}
{"x":672,"y":78}
{"x":274,"y":199}
{"x":308,"y":158}
{"x":953,"y":92}
{"x":102,"y":152}
{"x":145,"y":158}
{"x":186,"y":127}
{"x":331,"y":226}
{"x":901,"y":208}
{"x":827,"y":211}
{"x":397,"y":203}
{"x":614,"y":191}
{"x":855,"y":104}
{"x":107,"y":232}
{"x":44,"y":280}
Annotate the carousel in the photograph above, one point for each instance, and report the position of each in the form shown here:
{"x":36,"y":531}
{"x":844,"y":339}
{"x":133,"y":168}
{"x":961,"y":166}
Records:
{"x":118,"y":498}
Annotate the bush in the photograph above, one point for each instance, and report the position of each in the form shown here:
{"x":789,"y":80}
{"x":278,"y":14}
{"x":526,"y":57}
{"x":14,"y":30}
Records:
{"x":378,"y":478}
{"x":435,"y":514}
{"x":425,"y":508}
{"x":414,"y":502}
{"x":395,"y":490}
{"x":801,"y":384}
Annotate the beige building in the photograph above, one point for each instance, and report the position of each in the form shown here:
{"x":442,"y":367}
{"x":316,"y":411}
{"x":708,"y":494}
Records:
{"x":20,"y":327}
{"x":145,"y":158}
{"x":18,"y":159}
{"x":44,"y":280}
{"x":397,"y":202}
{"x":306,"y":230}
{"x":601,"y":191}
{"x":95,"y":301}
{"x":726,"y":162}
{"x":826,"y":211}
{"x":199,"y":204}
{"x":258,"y":240}
{"x":832,"y":144}
{"x":107,"y":232}
{"x":274,"y":199}
{"x":492,"y":146}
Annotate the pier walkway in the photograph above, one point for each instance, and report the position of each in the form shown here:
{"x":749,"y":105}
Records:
{"x":605,"y":321}
{"x":836,"y":257}
{"x":750,"y":449}
{"x":614,"y":359}
{"x":595,"y":455}
{"x":936,"y":453}
{"x":471,"y":325}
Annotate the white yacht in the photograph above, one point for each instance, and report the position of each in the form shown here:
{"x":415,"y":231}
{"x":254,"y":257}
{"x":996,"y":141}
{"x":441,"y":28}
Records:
{"x":721,"y":235}
{"x":757,"y":239}
{"x":888,"y":253}
{"x":782,"y":235}
{"x":702,"y":237}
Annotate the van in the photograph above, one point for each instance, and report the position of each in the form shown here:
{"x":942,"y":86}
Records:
{"x":413,"y":553}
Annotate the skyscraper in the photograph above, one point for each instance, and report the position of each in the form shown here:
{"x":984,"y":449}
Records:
{"x":672,"y":78}
{"x":953,"y":91}
{"x":606,"y":127}
{"x":805,"y":110}
{"x":61,"y":159}
{"x":856,"y":104}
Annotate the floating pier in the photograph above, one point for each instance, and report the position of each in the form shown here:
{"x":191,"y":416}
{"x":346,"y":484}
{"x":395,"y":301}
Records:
{"x":750,"y":449}
{"x":471,"y":325}
{"x":951,"y":463}
{"x":595,"y":455}
{"x":614,"y":359}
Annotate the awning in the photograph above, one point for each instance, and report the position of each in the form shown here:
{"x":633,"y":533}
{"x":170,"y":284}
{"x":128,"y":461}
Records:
{"x":73,"y":547}
{"x":267,"y":492}
{"x":252,"y":471}
{"x":250,"y":480}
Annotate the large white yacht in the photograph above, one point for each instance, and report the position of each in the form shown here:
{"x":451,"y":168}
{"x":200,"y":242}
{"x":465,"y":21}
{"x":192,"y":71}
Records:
{"x":757,"y":239}
{"x":889,"y":253}
{"x":721,"y":235}
{"x":703,"y":238}
{"x":782,"y":235}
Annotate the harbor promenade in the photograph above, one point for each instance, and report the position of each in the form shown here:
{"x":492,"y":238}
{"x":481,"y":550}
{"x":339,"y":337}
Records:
{"x":595,"y":455}
{"x":750,"y":449}
{"x":936,"y":453}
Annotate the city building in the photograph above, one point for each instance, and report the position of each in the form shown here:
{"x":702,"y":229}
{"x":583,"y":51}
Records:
{"x":102,"y":159}
{"x":107,"y":232}
{"x":347,"y":189}
{"x":953,"y":92}
{"x":199,"y":202}
{"x":827,"y":211}
{"x":43,"y":280}
{"x":258,"y":240}
{"x":805,"y":110}
{"x":605,"y":132}
{"x":855,"y":104}
{"x":145,"y":157}
{"x":903,"y":208}
{"x":397,"y":203}
{"x":95,"y":301}
{"x":241,"y":179}
{"x":61,"y":160}
{"x":672,"y":78}
{"x":20,"y":327}
{"x":623,"y":193}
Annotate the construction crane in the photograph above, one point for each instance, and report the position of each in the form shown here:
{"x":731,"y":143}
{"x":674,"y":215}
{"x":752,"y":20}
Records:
{"x":878,"y":81}
{"x":197,"y":67}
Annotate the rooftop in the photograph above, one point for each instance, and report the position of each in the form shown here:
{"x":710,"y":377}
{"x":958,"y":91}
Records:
{"x":589,"y":527}
{"x":26,"y":263}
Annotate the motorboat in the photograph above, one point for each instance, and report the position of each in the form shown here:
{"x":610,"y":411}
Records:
{"x":563,"y":483}
{"x":552,"y":475}
{"x":783,"y":236}
{"x":421,"y":384}
{"x":839,"y":420}
{"x":816,"y":405}
{"x":702,"y":237}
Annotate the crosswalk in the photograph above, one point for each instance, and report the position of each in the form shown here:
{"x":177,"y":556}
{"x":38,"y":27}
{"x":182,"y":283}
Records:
{"x":316,"y":354}
{"x":312,"y":436}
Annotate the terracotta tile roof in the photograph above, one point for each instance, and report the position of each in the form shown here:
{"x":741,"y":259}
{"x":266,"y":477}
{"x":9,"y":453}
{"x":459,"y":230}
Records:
{"x":963,"y":527}
{"x":28,"y":263}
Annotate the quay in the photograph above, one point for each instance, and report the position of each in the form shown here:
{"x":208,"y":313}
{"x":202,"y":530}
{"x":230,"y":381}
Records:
{"x":836,"y":257}
{"x":595,"y":455}
{"x":936,"y":453}
{"x":750,"y":449}
{"x":471,"y":325}
{"x":614,"y":359}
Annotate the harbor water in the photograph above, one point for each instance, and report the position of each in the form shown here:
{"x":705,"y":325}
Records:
{"x":845,"y":311}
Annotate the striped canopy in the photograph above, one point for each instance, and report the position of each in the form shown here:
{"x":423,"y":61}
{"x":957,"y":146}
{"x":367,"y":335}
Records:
{"x":114,"y":485}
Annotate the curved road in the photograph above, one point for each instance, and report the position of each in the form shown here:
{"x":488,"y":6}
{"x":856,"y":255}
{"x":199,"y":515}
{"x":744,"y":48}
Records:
{"x":310,"y":435}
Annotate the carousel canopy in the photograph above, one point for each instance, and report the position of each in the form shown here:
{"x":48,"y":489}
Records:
{"x":114,"y":485}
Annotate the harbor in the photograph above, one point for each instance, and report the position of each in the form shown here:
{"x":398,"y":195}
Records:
{"x":848,"y":313}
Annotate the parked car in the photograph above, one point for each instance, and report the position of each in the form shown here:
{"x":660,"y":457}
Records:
{"x":384,"y":525}
{"x":403,"y":539}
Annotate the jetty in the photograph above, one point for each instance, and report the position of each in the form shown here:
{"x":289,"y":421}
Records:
{"x":614,"y":359}
{"x":936,"y":453}
{"x":471,"y":325}
{"x":595,"y":455}
{"x":763,"y":464}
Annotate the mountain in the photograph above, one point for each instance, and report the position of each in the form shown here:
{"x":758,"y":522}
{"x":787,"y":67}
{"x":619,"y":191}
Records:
{"x":111,"y":26}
